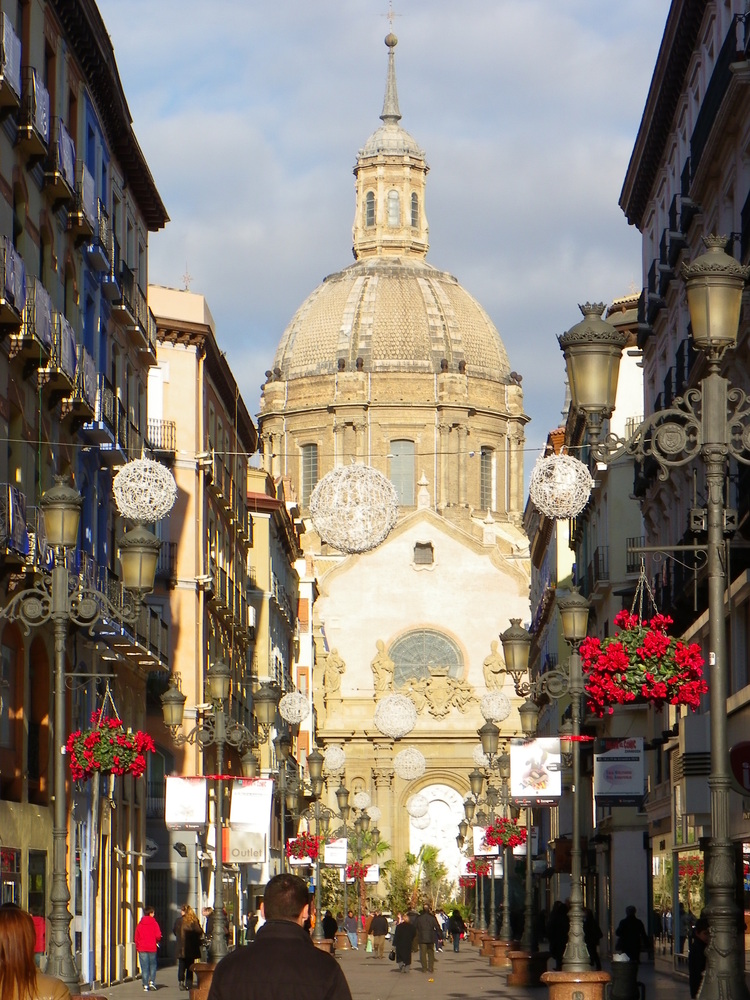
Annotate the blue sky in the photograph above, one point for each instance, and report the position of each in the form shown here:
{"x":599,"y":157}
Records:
{"x":251,"y":115}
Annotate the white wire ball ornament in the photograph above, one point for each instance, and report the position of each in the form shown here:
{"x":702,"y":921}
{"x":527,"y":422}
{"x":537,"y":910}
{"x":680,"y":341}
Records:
{"x":395,"y":716}
{"x":421,"y":822}
{"x":479,"y":757}
{"x":335,"y":758}
{"x":374,"y":813}
{"x":144,"y":490}
{"x":560,"y":486}
{"x":361,"y":800}
{"x":294,"y":707}
{"x":494,"y":706}
{"x":417,"y":805}
{"x":409,"y":763}
{"x":354,"y":507}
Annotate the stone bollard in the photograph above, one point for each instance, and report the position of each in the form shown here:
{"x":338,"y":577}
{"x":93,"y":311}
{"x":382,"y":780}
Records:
{"x":576,"y":985}
{"x":342,"y":941}
{"x":499,"y":958}
{"x":204,"y":973}
{"x":486,"y":945}
{"x":326,"y":944}
{"x":528,"y":967}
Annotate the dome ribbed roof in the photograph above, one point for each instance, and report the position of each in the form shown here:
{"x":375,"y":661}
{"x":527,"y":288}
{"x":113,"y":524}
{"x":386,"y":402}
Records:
{"x":396,"y":314}
{"x":391,"y":140}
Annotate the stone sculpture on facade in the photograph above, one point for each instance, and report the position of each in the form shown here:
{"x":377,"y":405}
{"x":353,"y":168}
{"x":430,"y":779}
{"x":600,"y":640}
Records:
{"x":334,"y":668}
{"x":382,"y":670}
{"x":494,"y":669}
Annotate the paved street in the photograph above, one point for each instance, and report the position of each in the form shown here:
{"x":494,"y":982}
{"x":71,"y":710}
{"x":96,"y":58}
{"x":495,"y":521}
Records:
{"x":462,"y":975}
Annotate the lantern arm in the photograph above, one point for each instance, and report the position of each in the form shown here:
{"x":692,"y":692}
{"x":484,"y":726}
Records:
{"x":554,"y":683}
{"x":738,"y":425}
{"x":672,"y":437}
{"x":83,"y":606}
{"x":204,"y":733}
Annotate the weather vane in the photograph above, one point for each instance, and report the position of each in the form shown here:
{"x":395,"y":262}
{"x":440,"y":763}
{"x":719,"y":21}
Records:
{"x":391,"y":15}
{"x":187,"y":278}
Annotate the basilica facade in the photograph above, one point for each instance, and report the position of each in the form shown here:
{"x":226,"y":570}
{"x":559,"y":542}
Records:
{"x":390,"y":363}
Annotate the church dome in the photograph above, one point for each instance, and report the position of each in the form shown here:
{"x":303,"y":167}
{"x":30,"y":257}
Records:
{"x":391,"y":140}
{"x":396,"y":314}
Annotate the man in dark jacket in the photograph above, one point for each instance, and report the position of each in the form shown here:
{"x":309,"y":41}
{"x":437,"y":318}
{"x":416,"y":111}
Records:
{"x":427,"y":930}
{"x":378,"y":929}
{"x":631,"y":935}
{"x":283,"y":962}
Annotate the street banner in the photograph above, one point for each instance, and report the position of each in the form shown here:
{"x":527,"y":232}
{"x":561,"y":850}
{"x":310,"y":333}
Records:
{"x":186,"y":803}
{"x":334,"y":853}
{"x":373,"y":874}
{"x":619,"y":772}
{"x":252,"y":799}
{"x":536,"y":770}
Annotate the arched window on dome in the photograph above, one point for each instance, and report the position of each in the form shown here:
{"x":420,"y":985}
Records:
{"x":309,"y":478}
{"x":394,"y":209}
{"x":487,"y":500}
{"x":402,"y":471}
{"x":370,"y":208}
{"x":415,"y":210}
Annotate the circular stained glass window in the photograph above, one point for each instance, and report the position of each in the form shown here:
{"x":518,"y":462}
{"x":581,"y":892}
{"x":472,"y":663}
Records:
{"x":418,"y":654}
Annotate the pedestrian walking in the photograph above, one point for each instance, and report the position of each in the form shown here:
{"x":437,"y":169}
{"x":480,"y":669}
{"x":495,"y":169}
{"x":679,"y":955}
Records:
{"x":329,"y":926}
{"x":283,"y":961}
{"x":147,"y":937}
{"x":378,"y":929}
{"x":403,"y":941}
{"x":697,"y":955}
{"x":19,"y":976}
{"x":592,"y":935}
{"x":350,"y":926}
{"x":631,"y":935}
{"x":456,"y":927}
{"x":187,"y":930}
{"x":428,"y":930}
{"x":558,"y":926}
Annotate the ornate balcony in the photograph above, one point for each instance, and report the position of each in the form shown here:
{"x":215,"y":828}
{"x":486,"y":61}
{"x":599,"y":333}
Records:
{"x":83,"y":220}
{"x":12,"y":288}
{"x":10,"y":67}
{"x":59,"y":173}
{"x":33,"y":342}
{"x":81,"y":404}
{"x":58,"y":377}
{"x":33,"y":118}
{"x":97,"y":251}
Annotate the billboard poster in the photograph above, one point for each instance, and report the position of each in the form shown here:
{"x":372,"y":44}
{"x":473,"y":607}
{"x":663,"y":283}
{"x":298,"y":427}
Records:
{"x":334,"y":852}
{"x":536,"y":770}
{"x":186,"y":803}
{"x":250,"y":819}
{"x":480,"y":848}
{"x":619,"y":771}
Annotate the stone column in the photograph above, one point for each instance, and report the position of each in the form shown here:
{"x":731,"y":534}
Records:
{"x":443,"y":465}
{"x":462,"y":434}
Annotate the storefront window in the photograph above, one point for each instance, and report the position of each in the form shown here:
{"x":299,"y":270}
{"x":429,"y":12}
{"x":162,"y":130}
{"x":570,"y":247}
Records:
{"x":10,"y":875}
{"x":37,"y":882}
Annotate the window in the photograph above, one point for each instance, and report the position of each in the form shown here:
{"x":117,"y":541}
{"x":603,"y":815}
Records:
{"x":370,"y":208}
{"x":402,"y":471}
{"x":394,"y":209}
{"x":422,"y":653}
{"x":10,"y":875}
{"x":309,"y":471}
{"x":424,"y":554}
{"x":486,"y":479}
{"x":414,"y":210}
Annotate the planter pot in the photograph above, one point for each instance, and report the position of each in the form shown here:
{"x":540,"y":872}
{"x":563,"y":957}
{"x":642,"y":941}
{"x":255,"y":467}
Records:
{"x":326,"y":944}
{"x":342,"y":941}
{"x":576,"y":985}
{"x":475,"y":936}
{"x":499,"y":958}
{"x":528,"y":967}
{"x":204,"y":973}
{"x":486,"y":944}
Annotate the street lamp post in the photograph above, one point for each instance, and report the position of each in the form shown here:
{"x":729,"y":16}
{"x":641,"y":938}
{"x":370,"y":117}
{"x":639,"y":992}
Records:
{"x":491,"y":799}
{"x":218,"y":729}
{"x":469,"y":810}
{"x":342,"y":800}
{"x":283,"y":747}
{"x":713,"y":421}
{"x":60,"y":599}
{"x":574,"y":611}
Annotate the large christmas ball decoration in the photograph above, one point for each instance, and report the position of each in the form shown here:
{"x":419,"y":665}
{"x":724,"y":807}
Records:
{"x":409,"y":764}
{"x":335,"y":759}
{"x":494,"y":706}
{"x":144,"y":490}
{"x":395,"y":716}
{"x":479,"y":757}
{"x":560,"y":486}
{"x":374,"y":813}
{"x":361,"y":800}
{"x":417,"y":805}
{"x":421,"y":822}
{"x":353,"y":508}
{"x":294,"y":707}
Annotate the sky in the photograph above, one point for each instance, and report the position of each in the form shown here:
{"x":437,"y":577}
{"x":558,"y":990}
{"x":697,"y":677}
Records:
{"x":251,"y":115}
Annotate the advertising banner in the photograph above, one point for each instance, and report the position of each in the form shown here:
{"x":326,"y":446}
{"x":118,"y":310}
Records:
{"x":619,"y":772}
{"x":186,"y":803}
{"x":536,"y":770}
{"x":334,"y":853}
{"x":480,"y":847}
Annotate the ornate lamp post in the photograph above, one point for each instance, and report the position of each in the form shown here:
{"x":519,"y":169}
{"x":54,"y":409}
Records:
{"x":711,"y":421}
{"x":283,"y":747}
{"x":469,"y":810}
{"x":322,"y":816}
{"x":58,"y":598}
{"x":342,"y":800}
{"x":574,"y":611}
{"x":218,"y":729}
{"x":492,"y":798}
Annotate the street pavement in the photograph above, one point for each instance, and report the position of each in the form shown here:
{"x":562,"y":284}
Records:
{"x":465,"y":974}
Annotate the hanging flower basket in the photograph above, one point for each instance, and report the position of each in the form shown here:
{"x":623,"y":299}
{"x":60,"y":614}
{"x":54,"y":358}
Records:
{"x":478,"y":866}
{"x":107,"y":748}
{"x":505,"y":833}
{"x":356,"y":870}
{"x":305,"y":845}
{"x":641,"y":663}
{"x":467,"y":881}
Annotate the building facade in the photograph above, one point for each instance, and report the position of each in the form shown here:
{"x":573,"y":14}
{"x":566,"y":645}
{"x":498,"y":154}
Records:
{"x":392,"y":364}
{"x":77,"y":204}
{"x":689,"y":176}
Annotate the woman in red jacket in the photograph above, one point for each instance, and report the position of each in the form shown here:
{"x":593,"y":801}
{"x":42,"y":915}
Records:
{"x":147,"y":938}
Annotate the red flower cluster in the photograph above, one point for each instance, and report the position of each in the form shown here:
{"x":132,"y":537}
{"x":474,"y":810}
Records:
{"x":357,"y":870}
{"x":478,"y":866}
{"x":305,"y":845}
{"x":641,"y":663}
{"x":691,"y":867}
{"x":467,"y":881}
{"x":505,"y":832}
{"x":108,"y":748}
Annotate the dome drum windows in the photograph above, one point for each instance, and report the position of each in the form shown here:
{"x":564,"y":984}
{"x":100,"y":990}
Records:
{"x":487,"y":498}
{"x":309,"y":478}
{"x":402,"y":471}
{"x":415,"y":210}
{"x":370,"y":208}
